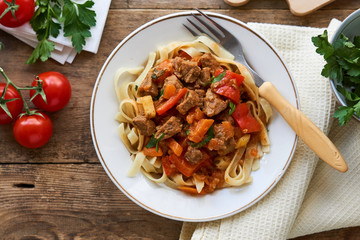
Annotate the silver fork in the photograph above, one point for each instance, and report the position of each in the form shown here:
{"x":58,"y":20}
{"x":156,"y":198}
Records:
{"x":303,"y":126}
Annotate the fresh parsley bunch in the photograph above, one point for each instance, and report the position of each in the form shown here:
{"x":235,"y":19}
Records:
{"x":343,"y":67}
{"x":53,"y":15}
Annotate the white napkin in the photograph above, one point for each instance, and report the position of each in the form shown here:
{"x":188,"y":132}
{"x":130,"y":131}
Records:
{"x":64,"y":51}
{"x":333,"y":198}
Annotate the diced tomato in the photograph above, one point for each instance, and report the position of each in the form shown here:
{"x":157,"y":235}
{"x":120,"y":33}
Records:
{"x":245,"y":119}
{"x":162,"y":71}
{"x":171,"y":102}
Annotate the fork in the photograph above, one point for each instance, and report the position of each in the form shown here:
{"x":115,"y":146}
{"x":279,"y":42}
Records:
{"x":303,"y":126}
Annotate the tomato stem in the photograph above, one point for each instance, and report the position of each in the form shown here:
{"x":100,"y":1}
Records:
{"x":12,"y":7}
{"x":19,"y":89}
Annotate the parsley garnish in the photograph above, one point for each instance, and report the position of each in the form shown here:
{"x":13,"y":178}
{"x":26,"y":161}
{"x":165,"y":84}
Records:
{"x":232,"y":107}
{"x":210,"y":135}
{"x":218,"y":78}
{"x":159,"y":95}
{"x":343,"y":67}
{"x":154,"y":142}
{"x":48,"y":20}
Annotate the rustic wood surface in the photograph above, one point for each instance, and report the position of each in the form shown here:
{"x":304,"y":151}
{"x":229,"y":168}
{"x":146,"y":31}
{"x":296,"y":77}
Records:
{"x":61,"y":191}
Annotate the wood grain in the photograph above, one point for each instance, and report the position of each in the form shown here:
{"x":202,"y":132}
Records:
{"x":72,"y":201}
{"x":60,"y":191}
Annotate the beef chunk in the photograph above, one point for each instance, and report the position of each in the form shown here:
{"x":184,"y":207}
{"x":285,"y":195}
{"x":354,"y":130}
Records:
{"x":171,"y":127}
{"x":205,"y":77}
{"x":223,"y":141}
{"x":187,"y":70}
{"x":193,"y":155}
{"x":224,"y":116}
{"x":144,"y":125}
{"x":174,"y":81}
{"x":223,"y":147}
{"x":191,"y":100}
{"x":192,"y":75}
{"x":208,"y":60}
{"x":201,"y":94}
{"x":230,"y":147}
{"x":213,"y":104}
{"x":148,"y":86}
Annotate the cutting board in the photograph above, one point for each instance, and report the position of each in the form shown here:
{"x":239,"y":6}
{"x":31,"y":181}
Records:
{"x":297,"y":7}
{"x":304,"y":7}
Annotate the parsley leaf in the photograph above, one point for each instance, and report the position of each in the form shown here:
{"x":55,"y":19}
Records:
{"x":344,"y":114}
{"x":218,"y":78}
{"x":232,"y":107}
{"x":53,"y":15}
{"x":154,"y":142}
{"x":343,"y":68}
{"x":78,"y":19}
{"x":210,"y":135}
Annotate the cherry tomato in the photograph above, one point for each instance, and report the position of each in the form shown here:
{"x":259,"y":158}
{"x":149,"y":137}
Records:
{"x":33,"y":131}
{"x":23,"y":14}
{"x":14,"y":107}
{"x":57,"y":89}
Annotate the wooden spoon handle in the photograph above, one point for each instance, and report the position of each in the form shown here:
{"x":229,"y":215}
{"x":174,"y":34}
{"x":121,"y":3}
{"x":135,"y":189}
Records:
{"x":304,"y":128}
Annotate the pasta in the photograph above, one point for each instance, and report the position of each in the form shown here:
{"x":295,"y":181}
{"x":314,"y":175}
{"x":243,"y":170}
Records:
{"x":192,"y":117}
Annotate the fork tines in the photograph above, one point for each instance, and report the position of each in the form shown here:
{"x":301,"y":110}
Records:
{"x":208,"y":26}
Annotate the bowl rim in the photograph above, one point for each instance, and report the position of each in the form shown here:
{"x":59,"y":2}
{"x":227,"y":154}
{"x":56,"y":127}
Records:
{"x":348,"y":20}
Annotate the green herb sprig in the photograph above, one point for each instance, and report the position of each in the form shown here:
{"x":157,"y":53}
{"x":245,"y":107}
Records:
{"x":154,"y":142}
{"x":210,"y":135}
{"x":343,"y":67}
{"x":53,"y":15}
{"x":218,"y":77}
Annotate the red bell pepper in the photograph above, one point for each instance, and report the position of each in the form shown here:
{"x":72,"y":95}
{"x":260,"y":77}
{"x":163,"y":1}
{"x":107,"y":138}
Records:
{"x":230,"y":92}
{"x":228,"y":85}
{"x":230,"y":75}
{"x":171,"y":102}
{"x":245,"y":119}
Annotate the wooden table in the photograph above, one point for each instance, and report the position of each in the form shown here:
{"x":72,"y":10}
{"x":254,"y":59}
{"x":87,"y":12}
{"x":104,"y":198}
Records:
{"x":61,"y":191}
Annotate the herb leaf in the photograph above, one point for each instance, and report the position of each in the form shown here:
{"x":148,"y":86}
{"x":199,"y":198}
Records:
{"x":232,"y":107}
{"x":47,"y":21}
{"x":210,"y":135}
{"x":344,"y":114}
{"x":343,"y":68}
{"x":78,"y":19}
{"x":154,"y":142}
{"x":218,"y":78}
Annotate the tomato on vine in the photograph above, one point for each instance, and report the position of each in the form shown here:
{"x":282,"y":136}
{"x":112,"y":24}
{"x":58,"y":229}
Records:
{"x":57,"y":89}
{"x":11,"y":103}
{"x":15,"y":13}
{"x":33,"y":131}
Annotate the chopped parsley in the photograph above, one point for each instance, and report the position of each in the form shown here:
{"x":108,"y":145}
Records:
{"x":232,"y":107}
{"x":218,"y":78}
{"x":343,"y":67}
{"x":154,"y":142}
{"x":210,"y":135}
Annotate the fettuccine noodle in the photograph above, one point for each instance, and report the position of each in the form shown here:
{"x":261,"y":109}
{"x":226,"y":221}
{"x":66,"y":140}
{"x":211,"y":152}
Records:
{"x":235,"y":167}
